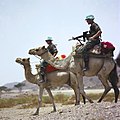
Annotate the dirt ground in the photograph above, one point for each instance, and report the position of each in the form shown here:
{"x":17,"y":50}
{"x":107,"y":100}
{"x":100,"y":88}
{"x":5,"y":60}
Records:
{"x":94,"y":111}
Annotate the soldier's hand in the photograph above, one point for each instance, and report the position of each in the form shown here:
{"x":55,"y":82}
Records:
{"x":91,"y":38}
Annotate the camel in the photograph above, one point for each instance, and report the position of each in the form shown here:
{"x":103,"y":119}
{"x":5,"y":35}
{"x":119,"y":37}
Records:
{"x":56,"y":78}
{"x":118,"y":59}
{"x":103,"y":67}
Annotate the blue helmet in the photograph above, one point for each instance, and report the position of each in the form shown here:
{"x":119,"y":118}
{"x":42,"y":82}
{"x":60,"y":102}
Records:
{"x":90,"y":17}
{"x":49,"y":39}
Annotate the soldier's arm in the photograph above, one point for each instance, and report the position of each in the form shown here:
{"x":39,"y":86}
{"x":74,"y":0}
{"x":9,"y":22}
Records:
{"x":97,"y":34}
{"x":55,"y":51}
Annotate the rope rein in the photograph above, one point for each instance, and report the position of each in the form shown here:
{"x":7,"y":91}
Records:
{"x":39,"y":57}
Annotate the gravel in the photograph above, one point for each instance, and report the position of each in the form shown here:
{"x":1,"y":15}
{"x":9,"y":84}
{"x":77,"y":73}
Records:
{"x":94,"y":111}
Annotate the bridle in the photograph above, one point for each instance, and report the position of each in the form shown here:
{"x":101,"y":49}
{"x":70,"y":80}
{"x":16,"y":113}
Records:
{"x":41,"y":54}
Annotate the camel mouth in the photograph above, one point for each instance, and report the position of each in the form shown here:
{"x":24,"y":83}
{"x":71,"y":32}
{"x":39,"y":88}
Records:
{"x":31,"y":52}
{"x":18,"y":60}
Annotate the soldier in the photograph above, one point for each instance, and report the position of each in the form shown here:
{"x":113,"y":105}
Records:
{"x":93,"y":39}
{"x":53,"y":50}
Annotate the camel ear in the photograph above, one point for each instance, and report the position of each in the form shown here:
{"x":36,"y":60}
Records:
{"x":28,"y":59}
{"x":43,"y":47}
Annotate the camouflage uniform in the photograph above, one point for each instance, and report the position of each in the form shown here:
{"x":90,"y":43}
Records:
{"x":94,"y":28}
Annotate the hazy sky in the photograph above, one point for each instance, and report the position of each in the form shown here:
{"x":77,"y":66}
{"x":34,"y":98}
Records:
{"x":25,"y":24}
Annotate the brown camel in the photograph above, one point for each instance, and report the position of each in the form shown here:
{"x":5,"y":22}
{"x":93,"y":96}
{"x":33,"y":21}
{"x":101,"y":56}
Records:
{"x":56,"y":78}
{"x":103,"y":67}
{"x":118,"y":59}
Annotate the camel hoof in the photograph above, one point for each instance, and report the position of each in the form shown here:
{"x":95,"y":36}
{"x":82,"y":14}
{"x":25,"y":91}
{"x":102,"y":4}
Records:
{"x":98,"y":101}
{"x":35,"y":114}
{"x":91,"y":102}
{"x":77,"y":104}
{"x":52,"y":111}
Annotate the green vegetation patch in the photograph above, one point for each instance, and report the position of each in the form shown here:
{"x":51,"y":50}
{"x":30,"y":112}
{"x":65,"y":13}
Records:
{"x":30,"y":101}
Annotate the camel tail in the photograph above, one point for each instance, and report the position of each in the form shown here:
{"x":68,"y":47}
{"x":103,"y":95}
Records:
{"x":118,"y":60}
{"x":113,"y":79}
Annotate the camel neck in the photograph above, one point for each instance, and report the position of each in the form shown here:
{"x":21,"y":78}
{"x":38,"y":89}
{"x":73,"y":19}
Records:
{"x":47,"y":56}
{"x":29,"y":76}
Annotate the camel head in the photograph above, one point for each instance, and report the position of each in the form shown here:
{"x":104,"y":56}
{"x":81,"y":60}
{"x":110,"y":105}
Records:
{"x":23,"y":61}
{"x":38,"y":51}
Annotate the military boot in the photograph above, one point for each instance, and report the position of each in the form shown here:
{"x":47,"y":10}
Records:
{"x":86,"y":61}
{"x":43,"y":75}
{"x":86,"y":67}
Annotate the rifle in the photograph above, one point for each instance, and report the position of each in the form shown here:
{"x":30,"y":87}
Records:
{"x":84,"y":36}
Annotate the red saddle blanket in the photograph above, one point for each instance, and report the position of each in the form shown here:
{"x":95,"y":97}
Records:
{"x":50,"y":68}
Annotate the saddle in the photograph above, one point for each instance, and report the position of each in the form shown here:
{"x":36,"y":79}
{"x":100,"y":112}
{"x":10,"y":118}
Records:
{"x":104,"y":49}
{"x":50,"y":68}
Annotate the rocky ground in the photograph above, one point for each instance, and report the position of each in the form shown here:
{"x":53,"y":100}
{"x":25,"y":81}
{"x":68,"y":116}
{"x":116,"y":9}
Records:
{"x":94,"y":111}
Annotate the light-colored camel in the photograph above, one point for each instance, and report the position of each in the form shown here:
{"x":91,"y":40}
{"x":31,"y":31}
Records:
{"x":44,"y":54}
{"x":56,"y":78}
{"x":104,"y":68}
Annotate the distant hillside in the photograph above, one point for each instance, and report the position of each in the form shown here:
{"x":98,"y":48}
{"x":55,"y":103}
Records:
{"x":29,"y":85}
{"x":89,"y":82}
{"x":11,"y":85}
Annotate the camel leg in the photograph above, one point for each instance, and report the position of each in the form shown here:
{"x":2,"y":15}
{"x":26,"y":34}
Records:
{"x":73,"y":83}
{"x":116,"y":91}
{"x":52,"y":99}
{"x":113,"y":78}
{"x":81,"y":88}
{"x":77,"y":94}
{"x":84,"y":101}
{"x":115,"y":88}
{"x":39,"y":100}
{"x":85,"y":96}
{"x":106,"y":86}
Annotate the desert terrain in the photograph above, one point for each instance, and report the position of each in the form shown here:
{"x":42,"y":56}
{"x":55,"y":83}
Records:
{"x":88,"y":111}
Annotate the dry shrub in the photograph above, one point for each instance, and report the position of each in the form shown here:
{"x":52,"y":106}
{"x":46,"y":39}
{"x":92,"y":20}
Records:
{"x":7,"y":103}
{"x":70,"y":100}
{"x":30,"y":101}
{"x":61,"y":98}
